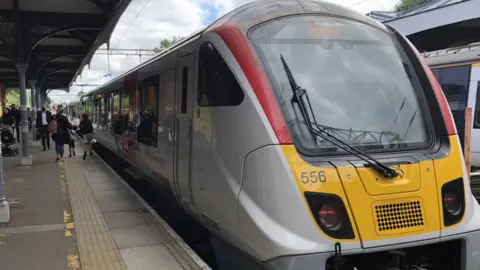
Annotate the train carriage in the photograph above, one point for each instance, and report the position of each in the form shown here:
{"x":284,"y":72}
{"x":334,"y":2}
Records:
{"x":303,"y":135}
{"x":458,"y":72}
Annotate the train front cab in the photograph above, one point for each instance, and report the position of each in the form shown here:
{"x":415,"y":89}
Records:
{"x":304,"y":202}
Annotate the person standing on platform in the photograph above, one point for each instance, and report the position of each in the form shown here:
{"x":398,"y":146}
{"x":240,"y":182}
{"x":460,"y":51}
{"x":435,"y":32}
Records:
{"x":29,"y":114}
{"x":61,"y":135}
{"x":7,"y":118}
{"x":44,"y":118}
{"x":16,"y":115}
{"x":86,"y":129}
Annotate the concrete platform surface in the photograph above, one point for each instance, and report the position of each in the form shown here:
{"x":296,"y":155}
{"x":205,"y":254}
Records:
{"x":78,"y":214}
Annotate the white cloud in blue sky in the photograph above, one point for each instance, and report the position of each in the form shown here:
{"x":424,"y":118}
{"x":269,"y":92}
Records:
{"x":146,"y":22}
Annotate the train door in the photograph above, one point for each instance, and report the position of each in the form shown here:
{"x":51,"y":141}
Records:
{"x":474,"y":103}
{"x":129,"y":103}
{"x":183,"y":127}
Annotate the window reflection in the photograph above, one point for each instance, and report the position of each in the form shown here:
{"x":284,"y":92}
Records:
{"x":454,"y":82}
{"x":357,"y":78}
{"x":146,"y":122}
{"x":166,"y":113}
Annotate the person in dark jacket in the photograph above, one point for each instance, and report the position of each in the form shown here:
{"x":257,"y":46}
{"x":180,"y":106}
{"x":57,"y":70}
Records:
{"x":29,"y":115}
{"x":44,"y":118}
{"x":86,"y":129}
{"x":7,"y":118}
{"x":62,"y":136}
{"x":16,"y":115}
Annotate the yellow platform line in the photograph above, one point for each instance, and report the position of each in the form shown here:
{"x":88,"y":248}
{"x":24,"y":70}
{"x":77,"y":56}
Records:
{"x":97,"y":249}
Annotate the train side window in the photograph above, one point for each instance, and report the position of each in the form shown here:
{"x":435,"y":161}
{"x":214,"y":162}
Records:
{"x":116,"y":112}
{"x":476,"y":122}
{"x":147,"y":126}
{"x":455,"y":82}
{"x":125,"y":112}
{"x":217,"y":86}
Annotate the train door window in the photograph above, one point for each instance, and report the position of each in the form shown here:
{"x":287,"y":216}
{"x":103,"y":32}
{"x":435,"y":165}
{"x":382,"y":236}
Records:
{"x":147,"y":129}
{"x":166,"y":116}
{"x":116,"y":112}
{"x":184,"y":89}
{"x":88,"y":107}
{"x":476,"y":121}
{"x":107,"y":111}
{"x":138,"y":106}
{"x":95,"y":110}
{"x":101,"y":106}
{"x":125,"y":115}
{"x":217,"y":86}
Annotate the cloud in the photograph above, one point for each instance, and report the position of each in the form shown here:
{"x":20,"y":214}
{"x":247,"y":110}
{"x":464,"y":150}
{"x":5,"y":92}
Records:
{"x":146,"y":22}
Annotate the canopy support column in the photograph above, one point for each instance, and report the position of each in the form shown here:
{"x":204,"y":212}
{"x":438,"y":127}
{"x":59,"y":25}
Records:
{"x":26,"y":159}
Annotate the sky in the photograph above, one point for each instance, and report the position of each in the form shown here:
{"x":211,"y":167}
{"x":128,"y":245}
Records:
{"x":146,"y":22}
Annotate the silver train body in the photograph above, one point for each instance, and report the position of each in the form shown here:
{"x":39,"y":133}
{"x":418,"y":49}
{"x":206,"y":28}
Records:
{"x":205,"y":120}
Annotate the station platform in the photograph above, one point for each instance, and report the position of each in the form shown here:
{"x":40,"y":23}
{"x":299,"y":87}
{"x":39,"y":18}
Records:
{"x":78,"y":214}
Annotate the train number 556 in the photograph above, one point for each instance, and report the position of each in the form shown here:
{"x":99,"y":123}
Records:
{"x":313,"y":177}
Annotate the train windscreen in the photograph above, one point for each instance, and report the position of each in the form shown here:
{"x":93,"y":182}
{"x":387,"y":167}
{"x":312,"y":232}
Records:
{"x":357,"y":79}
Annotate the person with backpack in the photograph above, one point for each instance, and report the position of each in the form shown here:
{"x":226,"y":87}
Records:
{"x":86,"y":129}
{"x":60,"y":129}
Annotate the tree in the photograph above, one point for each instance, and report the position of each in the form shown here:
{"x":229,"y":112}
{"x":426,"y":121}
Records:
{"x":12,"y":96}
{"x":404,"y":5}
{"x":165,"y":43}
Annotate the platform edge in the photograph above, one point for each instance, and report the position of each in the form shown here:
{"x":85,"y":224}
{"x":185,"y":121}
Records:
{"x":165,"y":225}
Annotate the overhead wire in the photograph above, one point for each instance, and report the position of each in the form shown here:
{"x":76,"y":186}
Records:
{"x":136,"y":17}
{"x":359,"y":2}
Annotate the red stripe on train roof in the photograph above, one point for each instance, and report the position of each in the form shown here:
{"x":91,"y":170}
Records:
{"x":246,"y":57}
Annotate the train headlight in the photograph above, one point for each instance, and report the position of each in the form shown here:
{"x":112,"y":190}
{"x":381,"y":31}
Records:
{"x":329,"y":218}
{"x":453,"y":202}
{"x":330,"y":214}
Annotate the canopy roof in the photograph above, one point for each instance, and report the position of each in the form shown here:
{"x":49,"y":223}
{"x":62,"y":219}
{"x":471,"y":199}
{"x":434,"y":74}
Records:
{"x":56,"y":39}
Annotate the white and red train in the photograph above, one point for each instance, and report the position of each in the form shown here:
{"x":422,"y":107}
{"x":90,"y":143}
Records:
{"x":303,"y":135}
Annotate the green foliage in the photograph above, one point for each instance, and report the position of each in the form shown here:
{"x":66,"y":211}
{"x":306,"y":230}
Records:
{"x":12,"y":96}
{"x":165,"y":43}
{"x":404,"y":5}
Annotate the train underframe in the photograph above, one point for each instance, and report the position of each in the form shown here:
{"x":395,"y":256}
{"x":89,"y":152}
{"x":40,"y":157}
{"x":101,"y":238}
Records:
{"x":438,"y":256}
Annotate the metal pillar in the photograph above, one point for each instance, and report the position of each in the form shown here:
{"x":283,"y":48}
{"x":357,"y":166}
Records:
{"x":4,"y":207}
{"x":26,"y":157}
{"x":39,"y":100}
{"x":34,"y":111}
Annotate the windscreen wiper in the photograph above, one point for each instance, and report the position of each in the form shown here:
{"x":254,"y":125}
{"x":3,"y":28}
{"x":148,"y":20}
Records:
{"x":298,"y":94}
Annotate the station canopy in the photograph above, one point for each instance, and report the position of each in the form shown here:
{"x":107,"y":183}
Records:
{"x":438,"y":24}
{"x":55,"y":38}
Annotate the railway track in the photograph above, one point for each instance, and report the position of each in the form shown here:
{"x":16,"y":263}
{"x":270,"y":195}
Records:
{"x":475,"y":184}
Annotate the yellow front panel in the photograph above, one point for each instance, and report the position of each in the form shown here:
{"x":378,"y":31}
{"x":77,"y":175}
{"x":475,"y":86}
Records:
{"x":379,"y":208}
{"x":316,"y":179}
{"x":376,"y":184}
{"x":399,"y":216}
{"x":363,"y":203}
{"x":449,"y":169}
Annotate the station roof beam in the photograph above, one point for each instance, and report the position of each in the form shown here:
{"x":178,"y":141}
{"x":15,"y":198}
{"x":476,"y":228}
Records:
{"x":54,"y":39}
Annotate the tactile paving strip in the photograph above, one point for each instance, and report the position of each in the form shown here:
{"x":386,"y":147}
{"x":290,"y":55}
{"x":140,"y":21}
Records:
{"x":95,"y":243}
